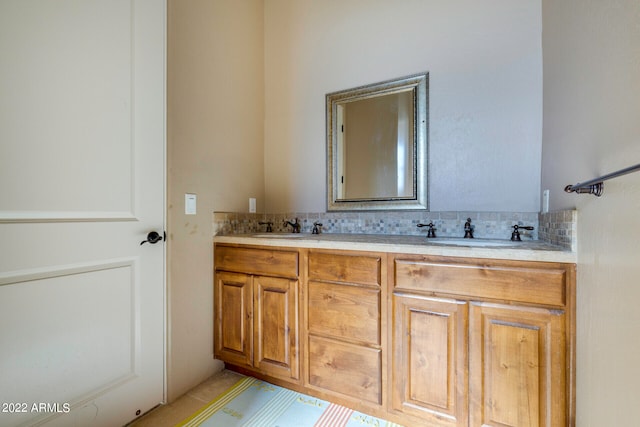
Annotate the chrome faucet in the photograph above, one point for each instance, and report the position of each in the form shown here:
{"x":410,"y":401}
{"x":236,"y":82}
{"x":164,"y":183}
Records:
{"x":294,"y":225}
{"x":468,"y":229}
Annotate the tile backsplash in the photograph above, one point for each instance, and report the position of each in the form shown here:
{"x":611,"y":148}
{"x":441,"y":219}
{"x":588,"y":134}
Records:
{"x":558,"y":228}
{"x":488,"y":225}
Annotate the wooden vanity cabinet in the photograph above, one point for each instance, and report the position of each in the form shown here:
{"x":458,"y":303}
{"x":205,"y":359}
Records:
{"x":256,"y":295}
{"x":416,"y":339}
{"x":483,"y":342}
{"x":345,"y":325}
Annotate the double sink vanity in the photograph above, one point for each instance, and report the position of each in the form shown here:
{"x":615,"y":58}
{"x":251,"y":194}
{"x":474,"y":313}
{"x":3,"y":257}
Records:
{"x":443,"y":332}
{"x":436,"y":332}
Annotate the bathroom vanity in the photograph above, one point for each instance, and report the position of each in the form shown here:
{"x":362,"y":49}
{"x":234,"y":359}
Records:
{"x":415,"y":332}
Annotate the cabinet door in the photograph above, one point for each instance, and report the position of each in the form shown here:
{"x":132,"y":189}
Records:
{"x":233,"y":318}
{"x":517,"y":366}
{"x":276,"y":326}
{"x":429,"y":372}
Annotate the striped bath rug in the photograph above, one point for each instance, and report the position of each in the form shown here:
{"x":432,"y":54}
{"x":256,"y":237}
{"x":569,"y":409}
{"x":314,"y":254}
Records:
{"x":251,"y":402}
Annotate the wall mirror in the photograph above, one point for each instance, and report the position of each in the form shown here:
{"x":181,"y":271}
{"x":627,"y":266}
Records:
{"x":377,"y":146}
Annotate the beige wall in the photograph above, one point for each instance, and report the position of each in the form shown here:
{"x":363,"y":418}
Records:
{"x":592,"y":127}
{"x":246,"y":86}
{"x":485,"y":64}
{"x":215,"y":133}
{"x":485,"y":75}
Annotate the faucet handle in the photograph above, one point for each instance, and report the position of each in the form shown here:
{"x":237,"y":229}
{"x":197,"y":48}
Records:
{"x":515,"y":236}
{"x":431,"y":231}
{"x":523,"y":227}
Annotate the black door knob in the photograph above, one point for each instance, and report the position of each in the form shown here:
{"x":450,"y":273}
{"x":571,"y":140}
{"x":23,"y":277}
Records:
{"x":153,"y":237}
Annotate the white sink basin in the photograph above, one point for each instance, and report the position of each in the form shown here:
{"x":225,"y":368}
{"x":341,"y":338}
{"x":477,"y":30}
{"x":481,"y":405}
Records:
{"x":281,"y":235}
{"x":477,"y":243}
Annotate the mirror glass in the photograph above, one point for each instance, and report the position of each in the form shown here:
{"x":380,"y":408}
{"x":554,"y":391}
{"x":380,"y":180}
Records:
{"x":377,"y":146}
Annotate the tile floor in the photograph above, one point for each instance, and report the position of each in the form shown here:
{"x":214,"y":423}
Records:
{"x":171,"y":414}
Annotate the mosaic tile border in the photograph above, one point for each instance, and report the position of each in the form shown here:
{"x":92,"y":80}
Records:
{"x":559,"y":228}
{"x":487,"y":225}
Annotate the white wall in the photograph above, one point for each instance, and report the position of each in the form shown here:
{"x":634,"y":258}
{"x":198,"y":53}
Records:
{"x":484,"y":63}
{"x":592,"y":127}
{"x":215,"y":149}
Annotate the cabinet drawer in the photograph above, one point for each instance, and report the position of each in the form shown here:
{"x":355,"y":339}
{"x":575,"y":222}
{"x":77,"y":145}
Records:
{"x":533,"y":283}
{"x":257,"y":261}
{"x":345,"y":311}
{"x":332,"y":267}
{"x":346,"y":369}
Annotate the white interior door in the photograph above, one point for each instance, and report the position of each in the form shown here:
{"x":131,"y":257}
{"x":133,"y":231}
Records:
{"x":82,"y":143}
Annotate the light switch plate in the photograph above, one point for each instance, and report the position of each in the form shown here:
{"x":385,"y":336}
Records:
{"x":545,"y":201}
{"x":190,"y":204}
{"x":252,"y":205}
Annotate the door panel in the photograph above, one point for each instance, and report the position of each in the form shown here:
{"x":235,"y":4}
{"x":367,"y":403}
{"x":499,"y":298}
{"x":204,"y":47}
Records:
{"x":82,"y":183}
{"x":276,"y":326}
{"x":517,"y":366}
{"x":72,"y":69}
{"x":53,"y":337}
{"x":234,"y":318}
{"x":429,"y":358}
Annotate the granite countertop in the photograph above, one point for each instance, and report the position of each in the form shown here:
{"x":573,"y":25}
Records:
{"x":530,"y":250}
